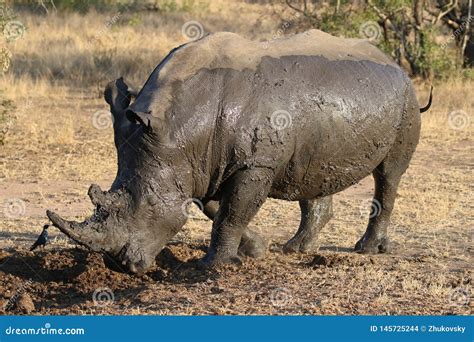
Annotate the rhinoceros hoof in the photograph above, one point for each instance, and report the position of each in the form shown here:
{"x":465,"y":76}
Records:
{"x":211,"y":261}
{"x":299,"y":245}
{"x":372,"y":246}
{"x":254,"y":248}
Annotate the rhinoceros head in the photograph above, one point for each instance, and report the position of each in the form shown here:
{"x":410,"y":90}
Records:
{"x":142,"y":211}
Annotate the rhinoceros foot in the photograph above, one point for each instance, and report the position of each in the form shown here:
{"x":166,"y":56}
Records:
{"x":300,"y":244}
{"x":372,"y":245}
{"x":252,"y":245}
{"x":212,"y":260}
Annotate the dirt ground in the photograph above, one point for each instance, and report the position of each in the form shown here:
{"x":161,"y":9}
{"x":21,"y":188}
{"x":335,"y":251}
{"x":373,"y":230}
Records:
{"x":428,"y":272}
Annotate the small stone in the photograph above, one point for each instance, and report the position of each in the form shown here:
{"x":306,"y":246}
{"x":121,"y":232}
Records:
{"x":25,"y":304}
{"x":216,"y":290}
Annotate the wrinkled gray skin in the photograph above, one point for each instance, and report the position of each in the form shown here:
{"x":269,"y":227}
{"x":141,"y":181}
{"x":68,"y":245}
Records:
{"x":204,"y":127}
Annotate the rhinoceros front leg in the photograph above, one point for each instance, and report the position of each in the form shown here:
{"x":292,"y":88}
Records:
{"x":243,"y":196}
{"x":252,"y":244}
{"x":314,"y":216}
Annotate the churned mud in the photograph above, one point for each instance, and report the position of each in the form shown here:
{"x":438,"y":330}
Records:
{"x":74,"y":281}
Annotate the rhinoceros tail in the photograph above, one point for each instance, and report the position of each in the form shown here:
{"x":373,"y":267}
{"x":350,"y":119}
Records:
{"x":425,"y":108}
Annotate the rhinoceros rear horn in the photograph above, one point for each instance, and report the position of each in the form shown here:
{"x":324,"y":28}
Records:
{"x":99,"y":197}
{"x":82,"y":233}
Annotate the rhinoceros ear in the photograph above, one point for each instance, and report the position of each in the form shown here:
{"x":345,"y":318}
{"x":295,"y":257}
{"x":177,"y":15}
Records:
{"x":118,"y":95}
{"x":150,"y":123}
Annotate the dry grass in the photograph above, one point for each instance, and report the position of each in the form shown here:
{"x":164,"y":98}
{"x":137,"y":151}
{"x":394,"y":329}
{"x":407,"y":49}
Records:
{"x":90,"y":49}
{"x":54,"y":152}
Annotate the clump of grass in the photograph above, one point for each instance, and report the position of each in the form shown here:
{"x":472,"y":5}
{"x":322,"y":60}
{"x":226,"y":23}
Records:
{"x":86,"y":49}
{"x":6,"y":118}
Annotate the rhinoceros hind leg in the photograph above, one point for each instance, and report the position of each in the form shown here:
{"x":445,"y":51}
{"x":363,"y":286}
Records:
{"x":387,"y":177}
{"x":252,"y":245}
{"x":243,"y":196}
{"x":314,"y":216}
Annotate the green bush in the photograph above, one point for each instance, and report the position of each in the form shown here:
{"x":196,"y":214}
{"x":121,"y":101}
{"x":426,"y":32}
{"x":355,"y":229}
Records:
{"x":421,"y":55}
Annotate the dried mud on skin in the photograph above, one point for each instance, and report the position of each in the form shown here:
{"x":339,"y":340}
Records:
{"x":63,"y":281}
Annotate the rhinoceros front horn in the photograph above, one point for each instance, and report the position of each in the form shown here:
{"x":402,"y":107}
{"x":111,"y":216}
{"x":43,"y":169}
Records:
{"x":82,"y":233}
